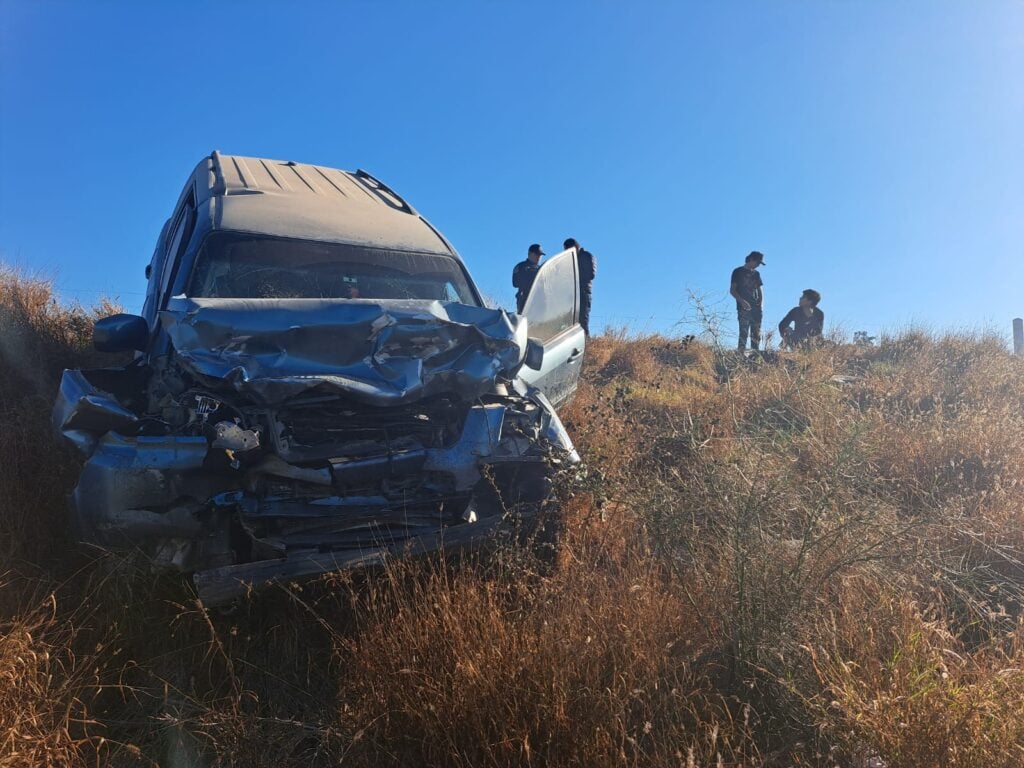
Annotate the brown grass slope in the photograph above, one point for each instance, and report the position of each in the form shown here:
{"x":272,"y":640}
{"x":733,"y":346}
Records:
{"x":816,"y":561}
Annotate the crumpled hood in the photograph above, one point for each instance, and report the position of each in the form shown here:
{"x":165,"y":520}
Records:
{"x":378,"y":352}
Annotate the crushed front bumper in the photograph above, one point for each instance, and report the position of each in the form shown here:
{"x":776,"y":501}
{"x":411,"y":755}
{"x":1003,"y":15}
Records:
{"x":238,"y":529}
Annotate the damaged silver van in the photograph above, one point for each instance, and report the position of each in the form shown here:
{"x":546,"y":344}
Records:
{"x":316,"y":383}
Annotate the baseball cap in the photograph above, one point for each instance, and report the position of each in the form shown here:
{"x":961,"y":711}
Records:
{"x":535,"y":248}
{"x":757,"y":256}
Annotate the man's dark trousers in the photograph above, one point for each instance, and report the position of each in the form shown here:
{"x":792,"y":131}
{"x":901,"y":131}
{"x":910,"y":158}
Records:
{"x":588,"y":271}
{"x":750,"y":324}
{"x":585,"y":297}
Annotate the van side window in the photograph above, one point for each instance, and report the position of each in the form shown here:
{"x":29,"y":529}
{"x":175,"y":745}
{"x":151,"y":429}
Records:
{"x":181,"y":233}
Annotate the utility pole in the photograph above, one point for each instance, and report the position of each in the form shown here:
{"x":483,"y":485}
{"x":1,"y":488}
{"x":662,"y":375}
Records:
{"x":1018,"y":336}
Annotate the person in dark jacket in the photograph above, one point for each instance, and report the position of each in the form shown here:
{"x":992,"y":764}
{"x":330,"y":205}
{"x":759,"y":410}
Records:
{"x":747,"y":288}
{"x":804,"y":323}
{"x":524,"y":273}
{"x":588,"y":271}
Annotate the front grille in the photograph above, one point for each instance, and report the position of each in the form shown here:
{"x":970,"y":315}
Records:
{"x":327,"y":429}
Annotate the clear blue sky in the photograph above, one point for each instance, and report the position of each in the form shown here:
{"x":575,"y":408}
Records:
{"x":874,"y":151}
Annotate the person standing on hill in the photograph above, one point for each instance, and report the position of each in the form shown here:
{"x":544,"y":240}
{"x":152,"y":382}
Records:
{"x":524,"y":273}
{"x":748,"y":290}
{"x":804,"y":323}
{"x":588,"y":271}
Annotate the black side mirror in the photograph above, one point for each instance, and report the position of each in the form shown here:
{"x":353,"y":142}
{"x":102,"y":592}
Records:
{"x":534,"y":355}
{"x":120,"y":333}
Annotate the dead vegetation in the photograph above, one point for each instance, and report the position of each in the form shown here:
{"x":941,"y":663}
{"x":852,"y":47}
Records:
{"x":817,"y":561}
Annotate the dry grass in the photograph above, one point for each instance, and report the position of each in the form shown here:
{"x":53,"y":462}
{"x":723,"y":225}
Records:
{"x":814,"y":561}
{"x":908,"y":686}
{"x":43,"y":718}
{"x":594,"y":667}
{"x":38,"y":339}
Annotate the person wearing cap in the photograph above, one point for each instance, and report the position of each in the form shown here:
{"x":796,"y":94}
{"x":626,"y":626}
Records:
{"x":748,"y":290}
{"x":804,"y":323}
{"x":524,"y":273}
{"x":588,"y":271}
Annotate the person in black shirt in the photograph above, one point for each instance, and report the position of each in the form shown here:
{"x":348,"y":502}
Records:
{"x":524,"y":273}
{"x":746,"y":287}
{"x":588,"y":271}
{"x":806,"y":319}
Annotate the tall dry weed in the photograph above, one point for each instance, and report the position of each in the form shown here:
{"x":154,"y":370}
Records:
{"x":39,"y":337}
{"x":593,"y":667}
{"x":905,"y":687}
{"x":45,"y":685}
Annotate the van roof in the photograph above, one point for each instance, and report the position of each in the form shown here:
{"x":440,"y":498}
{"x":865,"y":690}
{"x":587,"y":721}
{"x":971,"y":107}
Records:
{"x":310,"y":202}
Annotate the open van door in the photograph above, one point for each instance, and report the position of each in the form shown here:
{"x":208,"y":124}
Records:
{"x":552,"y":309}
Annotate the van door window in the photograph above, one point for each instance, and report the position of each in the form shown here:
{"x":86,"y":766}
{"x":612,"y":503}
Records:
{"x":551,"y":305}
